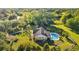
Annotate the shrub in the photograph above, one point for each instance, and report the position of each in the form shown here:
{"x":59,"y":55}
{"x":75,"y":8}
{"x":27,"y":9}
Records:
{"x":2,"y":35}
{"x":39,"y":48}
{"x":57,"y":48}
{"x":75,"y":48}
{"x":46,"y":47}
{"x":28,"y":49}
{"x":20,"y":48}
{"x":73,"y":24}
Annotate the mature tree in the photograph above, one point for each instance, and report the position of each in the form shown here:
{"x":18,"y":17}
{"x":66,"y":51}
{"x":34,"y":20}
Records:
{"x":73,"y":24}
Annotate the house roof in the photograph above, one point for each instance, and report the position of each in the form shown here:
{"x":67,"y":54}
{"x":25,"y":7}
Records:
{"x":42,"y":31}
{"x":10,"y":37}
{"x":41,"y":37}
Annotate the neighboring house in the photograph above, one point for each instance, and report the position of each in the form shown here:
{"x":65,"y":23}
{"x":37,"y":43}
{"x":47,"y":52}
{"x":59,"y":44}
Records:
{"x":41,"y":34}
{"x":11,"y":37}
{"x":3,"y":15}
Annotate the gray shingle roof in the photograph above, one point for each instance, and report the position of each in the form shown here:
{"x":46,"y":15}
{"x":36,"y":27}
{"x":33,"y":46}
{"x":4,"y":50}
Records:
{"x":42,"y":31}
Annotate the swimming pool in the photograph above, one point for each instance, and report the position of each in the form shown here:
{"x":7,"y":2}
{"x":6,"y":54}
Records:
{"x":54,"y":36}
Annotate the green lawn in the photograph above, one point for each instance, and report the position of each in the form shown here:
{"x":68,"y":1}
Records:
{"x":70,"y":33}
{"x":66,"y":44}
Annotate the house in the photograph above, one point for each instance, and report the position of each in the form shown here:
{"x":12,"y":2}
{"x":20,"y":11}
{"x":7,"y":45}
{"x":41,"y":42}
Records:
{"x":11,"y":37}
{"x":41,"y":34}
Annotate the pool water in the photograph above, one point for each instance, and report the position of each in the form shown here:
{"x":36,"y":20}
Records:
{"x":54,"y":36}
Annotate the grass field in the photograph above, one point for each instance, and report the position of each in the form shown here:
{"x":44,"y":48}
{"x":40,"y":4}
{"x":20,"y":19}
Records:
{"x":73,"y":35}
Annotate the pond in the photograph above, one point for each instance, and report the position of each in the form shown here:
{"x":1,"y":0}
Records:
{"x":54,"y":36}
